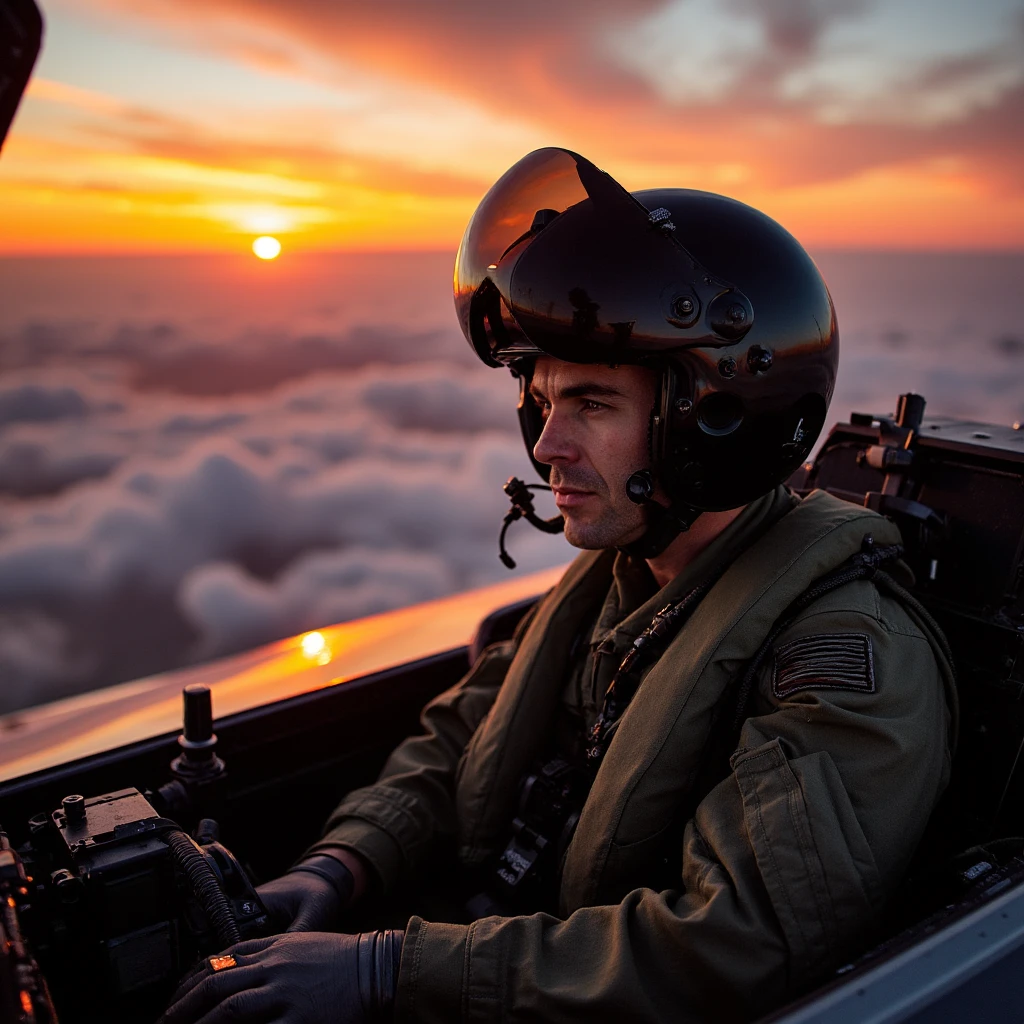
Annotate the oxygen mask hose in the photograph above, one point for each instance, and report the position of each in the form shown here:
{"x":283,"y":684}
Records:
{"x":522,"y":508}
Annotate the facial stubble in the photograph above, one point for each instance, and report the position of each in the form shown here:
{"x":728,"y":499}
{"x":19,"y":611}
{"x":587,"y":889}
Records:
{"x":618,"y":522}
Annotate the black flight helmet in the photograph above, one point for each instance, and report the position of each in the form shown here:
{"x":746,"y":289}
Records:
{"x":720,"y":300}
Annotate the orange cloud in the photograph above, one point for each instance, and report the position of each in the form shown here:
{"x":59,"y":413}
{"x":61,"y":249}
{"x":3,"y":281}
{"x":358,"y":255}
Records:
{"x":811,"y":112}
{"x":613,"y":74}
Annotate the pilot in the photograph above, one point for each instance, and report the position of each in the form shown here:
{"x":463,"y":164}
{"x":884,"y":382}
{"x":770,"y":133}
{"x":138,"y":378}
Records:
{"x":688,"y":786}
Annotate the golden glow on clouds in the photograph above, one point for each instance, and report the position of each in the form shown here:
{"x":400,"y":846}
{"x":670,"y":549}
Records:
{"x":84,"y":99}
{"x":356,"y":133}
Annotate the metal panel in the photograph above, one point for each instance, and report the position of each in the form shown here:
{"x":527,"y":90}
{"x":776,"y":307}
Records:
{"x":969,"y":971}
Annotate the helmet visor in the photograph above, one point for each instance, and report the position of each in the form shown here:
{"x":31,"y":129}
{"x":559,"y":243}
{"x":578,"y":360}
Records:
{"x":560,"y":258}
{"x":521,"y":202}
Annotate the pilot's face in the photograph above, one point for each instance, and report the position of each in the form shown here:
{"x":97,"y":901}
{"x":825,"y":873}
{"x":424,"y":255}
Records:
{"x":594,"y":437}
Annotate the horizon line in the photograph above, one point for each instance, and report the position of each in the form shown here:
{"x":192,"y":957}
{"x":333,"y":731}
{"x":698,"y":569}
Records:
{"x":881,"y":249}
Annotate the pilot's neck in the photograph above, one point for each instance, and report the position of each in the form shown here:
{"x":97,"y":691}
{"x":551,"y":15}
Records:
{"x":688,"y":545}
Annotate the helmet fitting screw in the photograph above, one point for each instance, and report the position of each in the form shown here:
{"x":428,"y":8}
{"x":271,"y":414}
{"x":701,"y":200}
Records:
{"x":684,"y":406}
{"x":727,"y":367}
{"x":685,"y":310}
{"x":759,"y":360}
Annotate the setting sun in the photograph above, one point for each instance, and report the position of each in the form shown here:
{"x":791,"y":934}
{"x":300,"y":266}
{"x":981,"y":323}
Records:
{"x":266,"y":247}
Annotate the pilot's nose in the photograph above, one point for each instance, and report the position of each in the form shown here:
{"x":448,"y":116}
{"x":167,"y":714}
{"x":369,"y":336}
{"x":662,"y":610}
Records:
{"x":556,"y":443}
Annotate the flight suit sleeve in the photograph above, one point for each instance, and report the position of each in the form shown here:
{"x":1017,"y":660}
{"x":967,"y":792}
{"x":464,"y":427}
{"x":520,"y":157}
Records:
{"x":785,"y":864}
{"x":393,"y":823}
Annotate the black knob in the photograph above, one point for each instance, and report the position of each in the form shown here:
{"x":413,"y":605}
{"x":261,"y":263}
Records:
{"x":198,"y":713}
{"x":730,"y":316}
{"x":207,"y":831}
{"x":74,"y":807}
{"x":198,"y":763}
{"x":686,"y":310}
{"x":910,"y":410}
{"x":68,"y":886}
{"x":759,"y":360}
{"x":640,"y":487}
{"x":727,"y":367}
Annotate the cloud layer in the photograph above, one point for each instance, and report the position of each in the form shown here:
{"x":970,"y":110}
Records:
{"x":174,"y":528}
{"x":190,"y":465}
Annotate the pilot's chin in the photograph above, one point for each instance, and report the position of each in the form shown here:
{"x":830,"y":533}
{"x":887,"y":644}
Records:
{"x":581,"y":534}
{"x":591,"y":536}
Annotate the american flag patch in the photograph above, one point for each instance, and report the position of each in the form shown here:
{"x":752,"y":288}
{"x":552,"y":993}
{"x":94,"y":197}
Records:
{"x":828,"y":661}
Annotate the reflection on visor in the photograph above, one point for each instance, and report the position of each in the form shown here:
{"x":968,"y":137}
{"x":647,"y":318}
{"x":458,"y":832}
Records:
{"x":608,"y":281}
{"x":521,"y":203}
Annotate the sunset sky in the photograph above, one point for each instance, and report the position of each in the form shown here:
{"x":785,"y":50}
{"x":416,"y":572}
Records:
{"x":186,"y":125}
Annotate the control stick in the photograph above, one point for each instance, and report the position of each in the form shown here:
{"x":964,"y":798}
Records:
{"x":198,"y":760}
{"x":198,"y":771}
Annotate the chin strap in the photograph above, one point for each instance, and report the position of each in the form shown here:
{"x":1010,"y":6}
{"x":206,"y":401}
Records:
{"x":664,"y":524}
{"x":522,"y":508}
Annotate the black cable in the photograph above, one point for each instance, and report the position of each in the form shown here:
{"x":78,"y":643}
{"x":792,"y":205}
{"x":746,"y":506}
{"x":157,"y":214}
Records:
{"x":522,"y":508}
{"x":506,"y":559}
{"x":205,"y":886}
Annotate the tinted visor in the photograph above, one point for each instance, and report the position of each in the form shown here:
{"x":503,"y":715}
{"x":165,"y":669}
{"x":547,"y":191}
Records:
{"x":559,"y":258}
{"x":526,"y":197}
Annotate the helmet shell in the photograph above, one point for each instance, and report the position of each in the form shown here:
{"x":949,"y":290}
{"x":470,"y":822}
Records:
{"x":734,"y":421}
{"x":715,"y":296}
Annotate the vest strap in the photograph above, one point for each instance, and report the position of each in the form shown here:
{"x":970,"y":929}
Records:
{"x":865,"y":565}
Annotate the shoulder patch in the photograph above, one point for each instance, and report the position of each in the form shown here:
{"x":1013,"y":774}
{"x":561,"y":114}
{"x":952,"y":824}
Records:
{"x":828,"y":661}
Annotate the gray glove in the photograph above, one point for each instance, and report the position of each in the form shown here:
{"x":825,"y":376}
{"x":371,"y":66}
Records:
{"x":311,"y":897}
{"x":317,"y":978}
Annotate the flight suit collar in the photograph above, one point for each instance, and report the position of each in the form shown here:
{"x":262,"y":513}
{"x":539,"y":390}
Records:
{"x":633,"y":598}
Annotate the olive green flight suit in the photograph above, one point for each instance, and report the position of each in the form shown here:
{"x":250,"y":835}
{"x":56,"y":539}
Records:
{"x":785,"y":864}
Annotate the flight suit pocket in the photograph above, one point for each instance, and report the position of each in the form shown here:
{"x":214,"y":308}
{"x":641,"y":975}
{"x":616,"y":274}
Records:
{"x":817,"y":867}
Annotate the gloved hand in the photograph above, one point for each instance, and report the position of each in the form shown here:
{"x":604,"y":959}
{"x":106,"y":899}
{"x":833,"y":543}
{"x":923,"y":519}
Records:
{"x":311,"y":897}
{"x":315,"y":978}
